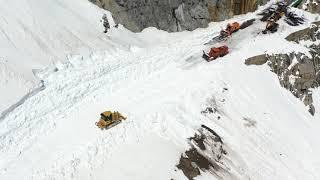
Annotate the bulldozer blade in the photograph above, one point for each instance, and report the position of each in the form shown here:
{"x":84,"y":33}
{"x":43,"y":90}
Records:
{"x":113,"y":124}
{"x":205,"y":56}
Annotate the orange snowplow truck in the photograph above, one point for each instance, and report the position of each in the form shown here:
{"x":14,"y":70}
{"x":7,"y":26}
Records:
{"x":231,"y":28}
{"x":215,"y":52}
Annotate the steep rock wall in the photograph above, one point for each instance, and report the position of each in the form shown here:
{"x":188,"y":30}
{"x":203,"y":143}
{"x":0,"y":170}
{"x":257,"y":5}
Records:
{"x":174,"y":15}
{"x":312,"y":6}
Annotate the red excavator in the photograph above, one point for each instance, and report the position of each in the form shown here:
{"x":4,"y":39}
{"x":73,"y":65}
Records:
{"x":215,"y":52}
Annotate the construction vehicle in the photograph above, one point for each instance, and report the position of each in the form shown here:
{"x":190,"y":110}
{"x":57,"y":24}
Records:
{"x":271,"y":26}
{"x":215,"y":52}
{"x":272,"y":15}
{"x":275,"y":12}
{"x":109,"y":119}
{"x":230,"y":29}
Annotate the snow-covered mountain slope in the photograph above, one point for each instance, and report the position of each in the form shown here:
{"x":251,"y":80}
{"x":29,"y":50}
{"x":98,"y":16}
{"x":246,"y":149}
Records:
{"x":37,"y":33}
{"x":161,"y":83}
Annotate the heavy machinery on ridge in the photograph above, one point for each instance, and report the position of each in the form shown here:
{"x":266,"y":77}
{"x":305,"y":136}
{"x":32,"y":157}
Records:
{"x":275,"y":12}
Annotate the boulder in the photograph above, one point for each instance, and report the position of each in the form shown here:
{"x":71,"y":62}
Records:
{"x":256,"y":60}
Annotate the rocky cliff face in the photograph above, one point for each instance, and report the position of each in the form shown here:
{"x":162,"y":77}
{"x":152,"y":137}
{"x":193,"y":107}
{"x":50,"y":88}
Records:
{"x":312,"y":6}
{"x":297,"y":72}
{"x":197,"y":159}
{"x":174,"y":15}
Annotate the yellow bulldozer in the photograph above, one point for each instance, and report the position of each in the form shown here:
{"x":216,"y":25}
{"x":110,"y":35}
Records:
{"x":109,"y":119}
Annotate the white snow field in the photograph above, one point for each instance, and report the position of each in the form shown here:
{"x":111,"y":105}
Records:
{"x":36,"y":33}
{"x":159,"y":81}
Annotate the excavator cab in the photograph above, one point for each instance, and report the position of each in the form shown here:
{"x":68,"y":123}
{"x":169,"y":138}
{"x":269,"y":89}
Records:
{"x":107,"y":116}
{"x":235,"y":26}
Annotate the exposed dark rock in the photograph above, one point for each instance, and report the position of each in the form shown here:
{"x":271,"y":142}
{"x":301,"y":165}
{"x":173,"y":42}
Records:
{"x":256,"y":60}
{"x":198,"y":139}
{"x":312,"y":6}
{"x":311,"y":33}
{"x":206,"y":154}
{"x":297,"y":72}
{"x":209,"y":110}
{"x":191,"y":163}
{"x":174,"y":15}
{"x":312,"y":110}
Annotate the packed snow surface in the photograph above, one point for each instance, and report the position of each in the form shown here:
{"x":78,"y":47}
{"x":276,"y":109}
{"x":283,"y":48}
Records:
{"x":159,"y":81}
